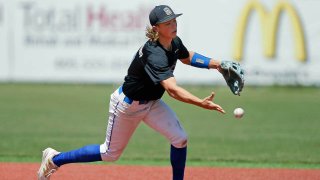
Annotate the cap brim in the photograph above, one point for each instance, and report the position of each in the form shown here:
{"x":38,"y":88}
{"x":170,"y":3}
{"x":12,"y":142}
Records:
{"x":169,"y":18}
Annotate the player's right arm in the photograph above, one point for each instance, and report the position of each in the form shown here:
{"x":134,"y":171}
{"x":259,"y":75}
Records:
{"x":177,"y":92}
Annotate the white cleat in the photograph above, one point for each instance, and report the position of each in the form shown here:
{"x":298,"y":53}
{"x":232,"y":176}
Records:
{"x":47,"y":167}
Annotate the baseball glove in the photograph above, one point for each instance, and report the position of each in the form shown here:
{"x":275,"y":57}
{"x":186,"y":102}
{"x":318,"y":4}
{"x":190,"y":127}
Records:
{"x":234,"y":76}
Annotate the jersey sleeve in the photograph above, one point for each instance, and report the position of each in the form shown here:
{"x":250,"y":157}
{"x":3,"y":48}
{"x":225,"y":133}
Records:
{"x":183,"y":51}
{"x":157,"y":67}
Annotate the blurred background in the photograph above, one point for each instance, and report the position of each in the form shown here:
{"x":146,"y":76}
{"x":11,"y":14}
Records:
{"x":59,"y":62}
{"x":85,"y":41}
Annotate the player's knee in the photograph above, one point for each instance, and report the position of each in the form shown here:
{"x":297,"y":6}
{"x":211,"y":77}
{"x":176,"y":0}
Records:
{"x":180,"y":142}
{"x":109,"y":158}
{"x":107,"y":155}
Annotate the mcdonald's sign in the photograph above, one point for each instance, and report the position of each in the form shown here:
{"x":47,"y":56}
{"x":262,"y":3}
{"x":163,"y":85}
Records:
{"x":269,"y":22}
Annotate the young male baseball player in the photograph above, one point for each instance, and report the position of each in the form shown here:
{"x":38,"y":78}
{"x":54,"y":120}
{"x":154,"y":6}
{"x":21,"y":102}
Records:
{"x":139,"y":99}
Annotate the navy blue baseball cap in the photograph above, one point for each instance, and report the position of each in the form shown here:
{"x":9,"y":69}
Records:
{"x":160,"y":14}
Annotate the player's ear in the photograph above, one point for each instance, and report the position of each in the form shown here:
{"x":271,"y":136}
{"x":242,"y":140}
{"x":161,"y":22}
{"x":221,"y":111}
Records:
{"x":155,"y":28}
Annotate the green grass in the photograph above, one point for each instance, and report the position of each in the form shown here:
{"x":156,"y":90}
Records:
{"x":280,"y":127}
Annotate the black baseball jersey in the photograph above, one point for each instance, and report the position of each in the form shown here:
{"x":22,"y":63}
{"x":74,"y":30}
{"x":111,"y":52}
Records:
{"x":151,"y":65}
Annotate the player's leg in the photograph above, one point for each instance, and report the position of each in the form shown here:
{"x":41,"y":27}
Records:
{"x":120,"y":128}
{"x":123,"y":120}
{"x":164,"y":120}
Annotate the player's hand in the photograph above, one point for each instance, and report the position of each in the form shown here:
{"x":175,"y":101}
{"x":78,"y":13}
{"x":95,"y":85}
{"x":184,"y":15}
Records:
{"x":208,"y":103}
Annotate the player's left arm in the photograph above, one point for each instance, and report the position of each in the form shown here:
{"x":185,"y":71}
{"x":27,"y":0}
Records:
{"x":201,"y":61}
{"x":232,"y":71}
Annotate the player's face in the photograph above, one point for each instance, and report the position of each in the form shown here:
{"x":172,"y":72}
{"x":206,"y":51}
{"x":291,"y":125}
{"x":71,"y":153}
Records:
{"x":168,"y":29}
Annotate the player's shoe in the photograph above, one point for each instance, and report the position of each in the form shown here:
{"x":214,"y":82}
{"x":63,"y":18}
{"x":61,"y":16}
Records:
{"x":47,"y":167}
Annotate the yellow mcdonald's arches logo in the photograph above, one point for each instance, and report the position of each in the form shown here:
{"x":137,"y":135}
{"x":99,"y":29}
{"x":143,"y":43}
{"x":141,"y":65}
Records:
{"x":269,"y":23}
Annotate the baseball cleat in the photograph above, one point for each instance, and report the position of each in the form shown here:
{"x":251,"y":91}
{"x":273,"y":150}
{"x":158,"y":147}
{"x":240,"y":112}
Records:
{"x":47,"y":167}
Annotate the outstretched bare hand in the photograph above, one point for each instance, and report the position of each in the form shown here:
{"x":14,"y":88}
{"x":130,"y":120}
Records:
{"x":208,"y":103}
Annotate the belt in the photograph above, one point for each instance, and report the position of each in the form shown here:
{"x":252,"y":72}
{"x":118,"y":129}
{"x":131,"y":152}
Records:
{"x":129,"y":100}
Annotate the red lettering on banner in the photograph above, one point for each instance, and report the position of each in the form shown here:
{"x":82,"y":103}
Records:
{"x":116,"y":20}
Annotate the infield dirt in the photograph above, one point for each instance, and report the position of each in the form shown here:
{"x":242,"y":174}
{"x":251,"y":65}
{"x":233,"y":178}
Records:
{"x":15,"y":171}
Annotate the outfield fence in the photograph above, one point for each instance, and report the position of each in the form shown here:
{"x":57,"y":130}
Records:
{"x":86,"y":41}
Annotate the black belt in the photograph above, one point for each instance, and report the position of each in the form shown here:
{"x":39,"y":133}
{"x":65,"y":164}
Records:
{"x":129,"y":100}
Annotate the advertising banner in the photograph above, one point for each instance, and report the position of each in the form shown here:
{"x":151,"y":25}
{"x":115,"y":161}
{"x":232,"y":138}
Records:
{"x":277,"y":42}
{"x":4,"y":59}
{"x":77,"y":40}
{"x":285,"y":56}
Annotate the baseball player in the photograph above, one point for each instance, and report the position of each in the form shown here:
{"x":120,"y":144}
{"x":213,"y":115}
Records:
{"x":139,"y":99}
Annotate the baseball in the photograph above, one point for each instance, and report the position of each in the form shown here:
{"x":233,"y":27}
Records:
{"x":238,"y":112}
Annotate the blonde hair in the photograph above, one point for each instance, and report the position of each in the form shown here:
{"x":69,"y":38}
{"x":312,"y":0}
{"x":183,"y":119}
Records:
{"x":151,"y":34}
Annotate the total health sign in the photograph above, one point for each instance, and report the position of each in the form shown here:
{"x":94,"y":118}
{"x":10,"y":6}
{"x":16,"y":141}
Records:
{"x":276,"y":41}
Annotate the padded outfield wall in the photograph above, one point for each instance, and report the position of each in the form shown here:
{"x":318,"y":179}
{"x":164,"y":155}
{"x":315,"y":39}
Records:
{"x":277,"y":42}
